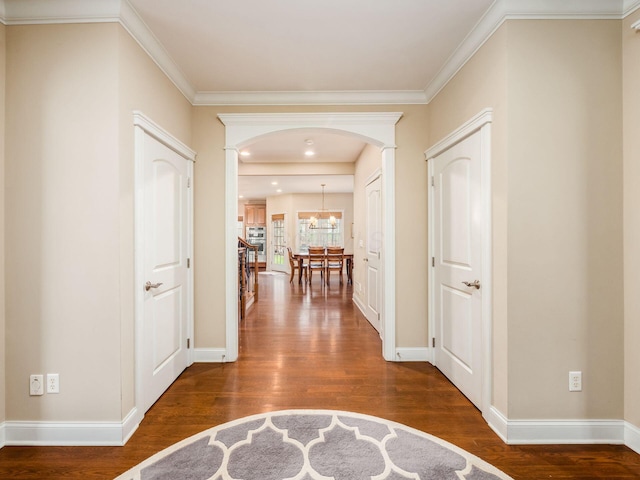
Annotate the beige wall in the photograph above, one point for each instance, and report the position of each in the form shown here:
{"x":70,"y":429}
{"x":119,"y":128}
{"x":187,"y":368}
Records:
{"x":3,"y":49}
{"x":631,"y":166}
{"x":565,"y":218}
{"x":411,"y":172}
{"x":69,"y":180}
{"x":142,"y":86}
{"x":62,"y":221}
{"x":556,"y":163}
{"x":368,"y":163}
{"x":480,"y":84}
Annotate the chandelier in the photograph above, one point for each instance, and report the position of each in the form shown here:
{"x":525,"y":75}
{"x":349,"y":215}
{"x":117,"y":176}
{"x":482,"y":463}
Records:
{"x":323,"y":213}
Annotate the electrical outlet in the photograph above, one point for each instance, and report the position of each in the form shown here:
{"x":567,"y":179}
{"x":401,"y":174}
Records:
{"x":53,"y":383}
{"x":575,"y":381}
{"x":36,"y":385}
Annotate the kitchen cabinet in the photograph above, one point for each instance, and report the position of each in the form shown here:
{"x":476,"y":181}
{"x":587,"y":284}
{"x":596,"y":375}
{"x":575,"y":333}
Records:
{"x":255,"y":215}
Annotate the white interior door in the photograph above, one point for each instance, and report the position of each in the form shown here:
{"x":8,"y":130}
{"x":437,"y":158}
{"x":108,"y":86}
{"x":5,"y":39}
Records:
{"x":373,"y":251}
{"x":166,"y":305}
{"x":458,"y":276}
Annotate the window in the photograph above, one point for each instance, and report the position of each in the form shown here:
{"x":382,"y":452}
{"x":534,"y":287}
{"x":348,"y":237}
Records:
{"x":323,"y":234}
{"x":279,"y":248}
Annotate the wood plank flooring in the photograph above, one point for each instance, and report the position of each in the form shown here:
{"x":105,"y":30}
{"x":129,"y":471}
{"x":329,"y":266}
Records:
{"x":309,"y":347}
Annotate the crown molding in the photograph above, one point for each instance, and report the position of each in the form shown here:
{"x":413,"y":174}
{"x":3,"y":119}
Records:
{"x":629,"y":6}
{"x":503,"y":10}
{"x":142,"y":34}
{"x":39,"y":12}
{"x":28,"y":12}
{"x":355,"y":97}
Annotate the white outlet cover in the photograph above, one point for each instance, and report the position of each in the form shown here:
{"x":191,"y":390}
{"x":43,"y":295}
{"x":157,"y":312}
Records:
{"x":53,"y":383}
{"x":36,"y":385}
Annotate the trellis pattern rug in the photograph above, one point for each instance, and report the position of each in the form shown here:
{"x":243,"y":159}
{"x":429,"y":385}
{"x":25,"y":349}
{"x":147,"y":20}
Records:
{"x":313,"y":444}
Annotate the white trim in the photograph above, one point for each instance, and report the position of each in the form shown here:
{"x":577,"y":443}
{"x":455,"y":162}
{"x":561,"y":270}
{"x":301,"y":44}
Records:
{"x":143,"y":125}
{"x":550,"y":432}
{"x":163,"y":136}
{"x":503,"y":10}
{"x":416,"y":354}
{"x":210,"y":355}
{"x":71,"y":433}
{"x":469,"y":127}
{"x":632,"y":437}
{"x":26,"y":12}
{"x":388,"y":251}
{"x":629,"y":6}
{"x":479,"y":123}
{"x":3,"y":434}
{"x":498,"y":423}
{"x":143,"y":35}
{"x":378,"y":128}
{"x":359,"y":304}
{"x":231,"y":258}
{"x":39,"y":12}
{"x":636,"y":26}
{"x":354,"y":97}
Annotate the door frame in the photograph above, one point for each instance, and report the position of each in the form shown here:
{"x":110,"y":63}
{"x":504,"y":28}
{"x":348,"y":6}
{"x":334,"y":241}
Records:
{"x":377,"y":128}
{"x":377,"y":174}
{"x":143,"y":125}
{"x":480,"y":123}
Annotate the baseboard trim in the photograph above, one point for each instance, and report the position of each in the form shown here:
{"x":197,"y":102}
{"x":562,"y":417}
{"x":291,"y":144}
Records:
{"x":77,"y":434}
{"x":418,"y":354}
{"x":210,"y":355}
{"x":632,"y":437}
{"x":3,"y":434}
{"x":359,"y":304}
{"x":542,"y":432}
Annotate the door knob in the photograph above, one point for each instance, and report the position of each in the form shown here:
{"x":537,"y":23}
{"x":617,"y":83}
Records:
{"x":148,"y":286}
{"x":475,"y":283}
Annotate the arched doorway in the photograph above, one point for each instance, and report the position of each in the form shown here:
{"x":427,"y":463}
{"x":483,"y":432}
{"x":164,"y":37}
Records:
{"x":377,"y":129}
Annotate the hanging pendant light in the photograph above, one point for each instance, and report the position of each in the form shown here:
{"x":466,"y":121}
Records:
{"x":323,"y":213}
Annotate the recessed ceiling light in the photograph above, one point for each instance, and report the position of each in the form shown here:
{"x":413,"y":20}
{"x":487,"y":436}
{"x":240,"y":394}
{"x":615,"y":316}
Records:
{"x":309,"y":153}
{"x":240,"y":196}
{"x":308,"y":141}
{"x":279,"y":190}
{"x":274,"y":183}
{"x":245,"y":153}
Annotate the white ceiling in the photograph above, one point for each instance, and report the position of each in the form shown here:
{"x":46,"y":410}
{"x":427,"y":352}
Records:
{"x":304,"y":45}
{"x":304,"y":52}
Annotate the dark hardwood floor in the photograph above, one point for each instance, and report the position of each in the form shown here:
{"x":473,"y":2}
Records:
{"x":309,"y":347}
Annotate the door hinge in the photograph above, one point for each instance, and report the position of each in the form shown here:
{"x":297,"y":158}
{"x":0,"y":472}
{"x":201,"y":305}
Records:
{"x":188,"y":182}
{"x":433,"y":261}
{"x":378,"y":316}
{"x":188,"y":263}
{"x":433,"y":342}
{"x":188,"y":343}
{"x":433,"y":181}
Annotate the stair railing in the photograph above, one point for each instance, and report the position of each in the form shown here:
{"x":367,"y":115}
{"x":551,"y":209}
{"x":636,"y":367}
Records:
{"x":247,"y":276}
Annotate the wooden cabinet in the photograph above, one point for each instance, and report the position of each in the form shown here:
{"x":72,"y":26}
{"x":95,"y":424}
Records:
{"x":255,"y":215}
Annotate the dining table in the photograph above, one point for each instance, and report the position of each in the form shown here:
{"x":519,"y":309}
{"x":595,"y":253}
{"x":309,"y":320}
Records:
{"x":348,"y":260}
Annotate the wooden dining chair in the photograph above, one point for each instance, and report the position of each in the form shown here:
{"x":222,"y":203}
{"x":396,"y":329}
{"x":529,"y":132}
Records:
{"x":317,"y":261}
{"x":335,"y":261}
{"x":296,"y":264}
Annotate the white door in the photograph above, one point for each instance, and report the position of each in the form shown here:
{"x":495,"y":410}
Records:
{"x":372,"y":257}
{"x":166,"y":286}
{"x":457,"y":241}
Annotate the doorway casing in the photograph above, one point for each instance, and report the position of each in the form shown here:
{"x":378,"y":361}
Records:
{"x":481,"y":124}
{"x":375,"y":128}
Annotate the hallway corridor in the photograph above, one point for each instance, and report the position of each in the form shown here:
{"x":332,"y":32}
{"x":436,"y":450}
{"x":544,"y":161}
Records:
{"x":309,"y":347}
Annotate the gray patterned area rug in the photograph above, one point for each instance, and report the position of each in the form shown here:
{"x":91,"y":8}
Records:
{"x":313,"y":445}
